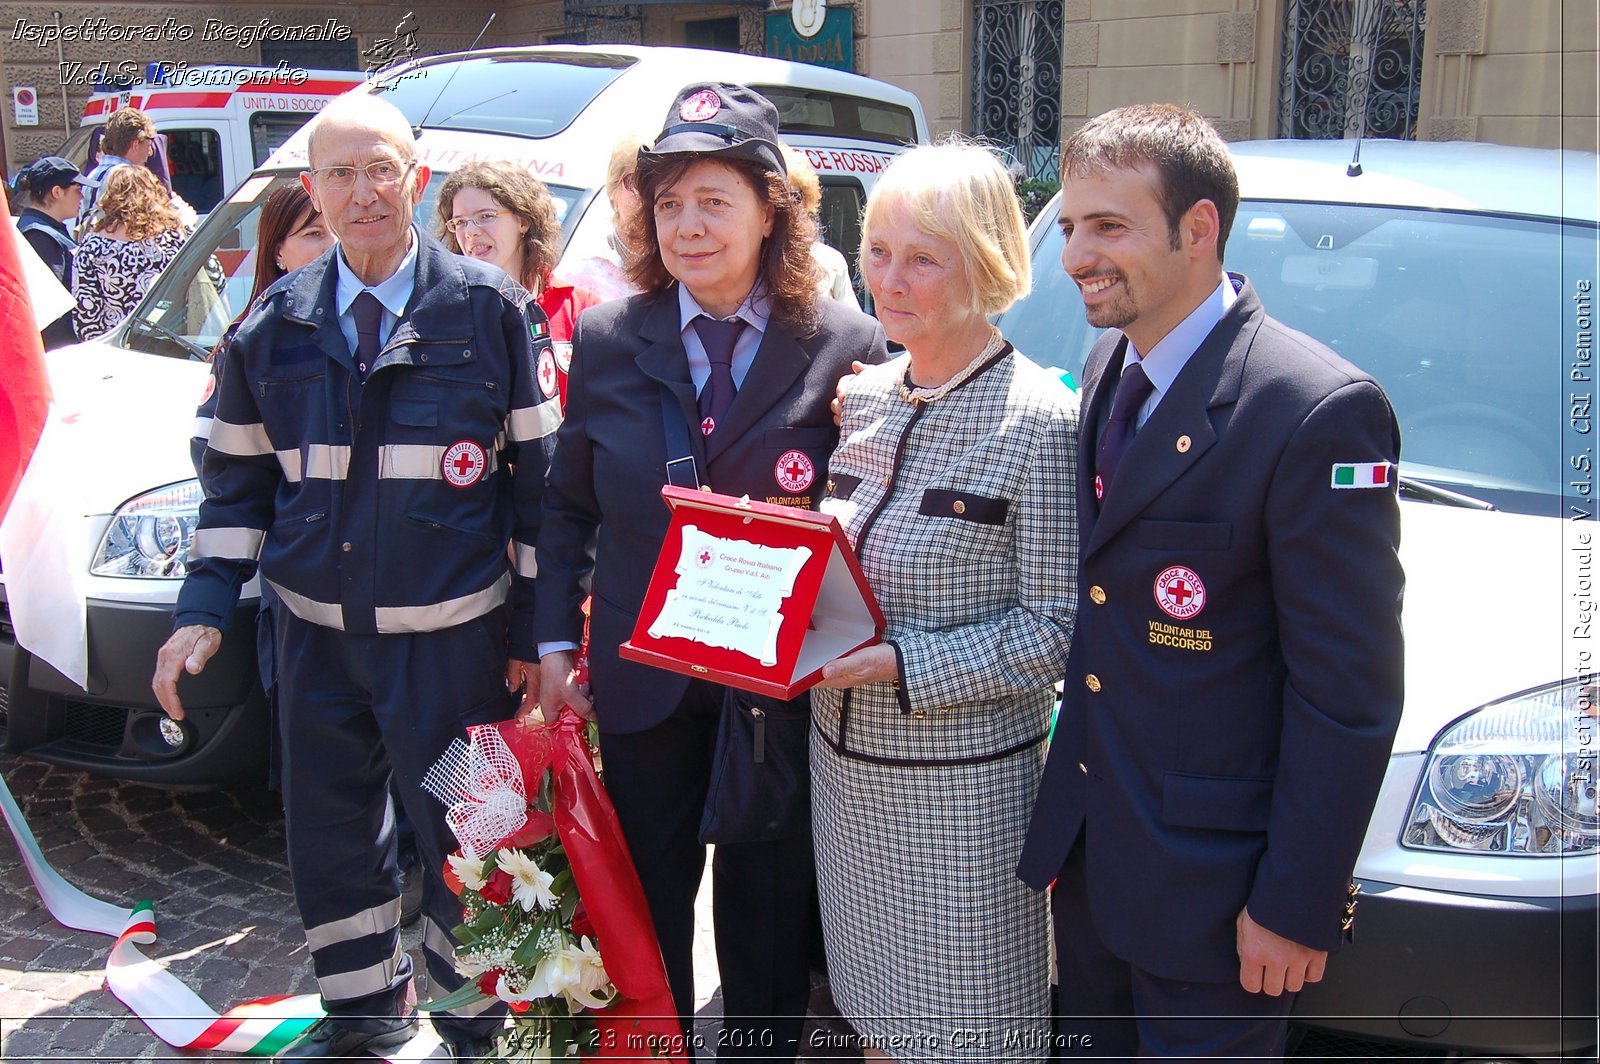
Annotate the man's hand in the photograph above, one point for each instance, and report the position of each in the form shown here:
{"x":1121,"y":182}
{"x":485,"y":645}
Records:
{"x":523,"y":677}
{"x":837,"y":406}
{"x":873,"y":664}
{"x":559,"y":688}
{"x":1270,"y":963}
{"x":186,"y":650}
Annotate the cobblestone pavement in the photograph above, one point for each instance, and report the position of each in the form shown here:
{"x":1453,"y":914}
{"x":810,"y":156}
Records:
{"x":212,"y":863}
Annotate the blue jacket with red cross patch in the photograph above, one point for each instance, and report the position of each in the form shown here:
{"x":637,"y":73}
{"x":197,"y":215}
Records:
{"x":382,"y":505}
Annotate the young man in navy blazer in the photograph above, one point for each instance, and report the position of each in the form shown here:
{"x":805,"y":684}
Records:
{"x":1236,"y":672}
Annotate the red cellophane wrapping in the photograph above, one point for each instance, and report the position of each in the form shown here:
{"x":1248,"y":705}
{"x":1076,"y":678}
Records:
{"x":586,"y":824}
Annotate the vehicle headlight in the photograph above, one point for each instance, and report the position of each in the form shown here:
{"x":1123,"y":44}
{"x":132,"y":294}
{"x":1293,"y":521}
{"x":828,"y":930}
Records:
{"x":1516,"y":777}
{"x":149,"y":534}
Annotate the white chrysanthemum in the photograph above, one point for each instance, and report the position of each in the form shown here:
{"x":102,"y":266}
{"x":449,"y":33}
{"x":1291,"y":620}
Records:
{"x":468,"y":869}
{"x":530,"y":885}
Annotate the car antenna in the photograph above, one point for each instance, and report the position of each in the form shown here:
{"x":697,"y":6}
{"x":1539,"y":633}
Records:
{"x":417,"y":129}
{"x":1354,"y":169}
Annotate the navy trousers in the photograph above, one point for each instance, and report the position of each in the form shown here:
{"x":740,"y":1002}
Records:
{"x":356,"y":712}
{"x":1110,"y":1008}
{"x":762,"y":891}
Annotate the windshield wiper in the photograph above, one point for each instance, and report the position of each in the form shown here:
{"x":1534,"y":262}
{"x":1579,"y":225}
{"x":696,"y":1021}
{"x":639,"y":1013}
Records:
{"x":1433,"y":493}
{"x":195,"y":351}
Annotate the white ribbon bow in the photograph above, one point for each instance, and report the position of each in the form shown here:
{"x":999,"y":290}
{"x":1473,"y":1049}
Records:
{"x":491,"y":798}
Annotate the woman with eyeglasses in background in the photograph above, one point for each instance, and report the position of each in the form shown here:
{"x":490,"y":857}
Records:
{"x":502,"y":214}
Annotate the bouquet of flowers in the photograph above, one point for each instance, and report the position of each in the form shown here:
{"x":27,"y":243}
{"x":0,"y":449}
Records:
{"x":554,"y":921}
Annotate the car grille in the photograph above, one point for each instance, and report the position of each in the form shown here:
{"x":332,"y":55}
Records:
{"x":95,"y":725}
{"x":1327,"y":1046}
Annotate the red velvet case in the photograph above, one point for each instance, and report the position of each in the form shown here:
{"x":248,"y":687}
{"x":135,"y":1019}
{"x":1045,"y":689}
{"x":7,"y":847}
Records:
{"x":829,"y":613}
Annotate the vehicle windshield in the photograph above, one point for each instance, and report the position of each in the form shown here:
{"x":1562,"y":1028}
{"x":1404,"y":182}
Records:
{"x":1463,"y":318}
{"x":520,"y":95}
{"x":186,"y":311}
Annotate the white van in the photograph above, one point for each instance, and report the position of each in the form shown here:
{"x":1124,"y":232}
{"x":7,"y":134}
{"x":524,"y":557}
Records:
{"x":221,"y":122}
{"x":559,"y":110}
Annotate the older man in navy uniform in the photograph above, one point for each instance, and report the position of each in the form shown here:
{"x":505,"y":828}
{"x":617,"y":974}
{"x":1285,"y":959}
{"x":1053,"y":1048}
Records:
{"x":379,"y":443}
{"x":1235,"y":678}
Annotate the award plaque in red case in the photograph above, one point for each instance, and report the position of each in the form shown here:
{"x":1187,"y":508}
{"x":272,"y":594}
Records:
{"x":752,"y":595}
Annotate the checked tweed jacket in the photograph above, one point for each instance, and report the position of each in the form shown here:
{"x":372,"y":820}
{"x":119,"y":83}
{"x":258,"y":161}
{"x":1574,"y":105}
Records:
{"x":971,"y":549}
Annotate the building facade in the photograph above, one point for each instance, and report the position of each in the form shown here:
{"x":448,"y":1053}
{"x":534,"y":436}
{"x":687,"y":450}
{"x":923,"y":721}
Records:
{"x":1020,"y":72}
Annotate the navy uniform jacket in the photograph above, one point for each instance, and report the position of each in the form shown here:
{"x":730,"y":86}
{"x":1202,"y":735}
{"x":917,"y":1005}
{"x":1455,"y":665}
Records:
{"x":1235,"y":678}
{"x":49,"y":238}
{"x":610,"y":465}
{"x":386,"y":505}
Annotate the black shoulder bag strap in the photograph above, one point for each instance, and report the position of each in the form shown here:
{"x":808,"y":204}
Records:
{"x":681,"y":470}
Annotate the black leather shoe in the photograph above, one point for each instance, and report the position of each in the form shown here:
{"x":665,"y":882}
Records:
{"x":469,"y":1050}
{"x":332,"y":1040}
{"x":410,"y":893}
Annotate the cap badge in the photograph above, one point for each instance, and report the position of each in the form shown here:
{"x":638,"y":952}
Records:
{"x":700,"y":107}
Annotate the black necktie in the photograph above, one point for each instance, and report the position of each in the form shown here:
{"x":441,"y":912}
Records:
{"x":368,"y":313}
{"x":1132,"y":390}
{"x":718,"y":338}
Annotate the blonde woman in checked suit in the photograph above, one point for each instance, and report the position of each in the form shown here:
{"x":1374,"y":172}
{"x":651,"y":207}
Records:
{"x":953,"y":481}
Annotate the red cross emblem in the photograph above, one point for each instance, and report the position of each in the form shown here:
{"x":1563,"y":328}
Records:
{"x":707,"y":426}
{"x":701,"y":107}
{"x":1099,"y":487}
{"x":464,"y":464}
{"x":794,"y":471}
{"x":547,"y":372}
{"x":704,"y":558}
{"x":1180,"y":593}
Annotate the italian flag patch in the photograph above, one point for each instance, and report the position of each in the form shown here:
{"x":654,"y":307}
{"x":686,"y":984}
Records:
{"x":1363,"y":474}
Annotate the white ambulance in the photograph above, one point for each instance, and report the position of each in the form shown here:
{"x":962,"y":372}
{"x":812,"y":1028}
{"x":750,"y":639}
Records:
{"x":558,"y":109}
{"x":221,"y":122}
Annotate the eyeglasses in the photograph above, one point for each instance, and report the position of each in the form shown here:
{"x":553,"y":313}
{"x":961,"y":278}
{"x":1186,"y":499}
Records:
{"x":480,"y":221}
{"x":381,"y":173}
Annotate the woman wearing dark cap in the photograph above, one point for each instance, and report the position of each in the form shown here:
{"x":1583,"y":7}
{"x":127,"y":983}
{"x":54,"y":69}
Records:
{"x":52,"y":191}
{"x":729,"y":310}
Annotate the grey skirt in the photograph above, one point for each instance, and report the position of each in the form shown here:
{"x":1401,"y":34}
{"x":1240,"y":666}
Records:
{"x":936,"y":950}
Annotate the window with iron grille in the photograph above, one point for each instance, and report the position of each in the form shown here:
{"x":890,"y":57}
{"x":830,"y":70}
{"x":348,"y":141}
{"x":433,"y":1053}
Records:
{"x":1350,"y":68}
{"x":1016,"y":84}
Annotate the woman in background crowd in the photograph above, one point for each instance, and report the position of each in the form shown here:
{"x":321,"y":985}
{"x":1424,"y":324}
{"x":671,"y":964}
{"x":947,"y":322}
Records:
{"x":501,"y":213}
{"x":807,"y":190}
{"x":136,"y":233}
{"x":606,"y":274}
{"x":952,"y":480}
{"x":51,"y":191}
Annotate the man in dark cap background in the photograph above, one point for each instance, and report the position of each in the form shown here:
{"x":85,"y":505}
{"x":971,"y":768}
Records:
{"x":51,"y":192}
{"x":718,"y":374}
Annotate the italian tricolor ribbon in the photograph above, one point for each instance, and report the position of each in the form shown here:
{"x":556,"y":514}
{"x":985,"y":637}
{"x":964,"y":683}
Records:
{"x":170,"y":1009}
